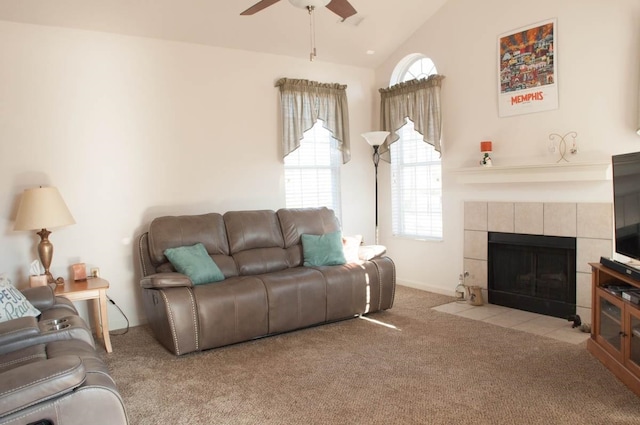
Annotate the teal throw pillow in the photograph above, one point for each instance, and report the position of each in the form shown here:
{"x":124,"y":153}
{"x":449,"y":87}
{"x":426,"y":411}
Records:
{"x":195,"y":262}
{"x":323,"y":250}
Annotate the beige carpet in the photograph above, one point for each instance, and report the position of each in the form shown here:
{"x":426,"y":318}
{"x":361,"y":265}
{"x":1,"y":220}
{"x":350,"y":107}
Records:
{"x":429,"y":368}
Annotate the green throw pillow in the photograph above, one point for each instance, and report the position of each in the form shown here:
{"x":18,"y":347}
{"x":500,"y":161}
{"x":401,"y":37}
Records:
{"x":195,"y":262}
{"x":323,"y":250}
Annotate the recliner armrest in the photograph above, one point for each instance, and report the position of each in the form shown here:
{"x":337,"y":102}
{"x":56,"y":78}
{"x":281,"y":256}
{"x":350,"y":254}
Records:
{"x":41,"y":297}
{"x":165,"y":280}
{"x":18,"y":329}
{"x":35,"y":382}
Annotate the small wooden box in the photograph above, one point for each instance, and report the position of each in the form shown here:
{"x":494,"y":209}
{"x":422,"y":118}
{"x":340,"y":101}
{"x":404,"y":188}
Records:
{"x":79,"y":271}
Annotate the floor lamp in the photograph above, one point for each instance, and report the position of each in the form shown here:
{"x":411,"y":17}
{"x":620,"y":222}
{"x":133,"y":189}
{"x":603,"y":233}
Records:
{"x":375,"y":139}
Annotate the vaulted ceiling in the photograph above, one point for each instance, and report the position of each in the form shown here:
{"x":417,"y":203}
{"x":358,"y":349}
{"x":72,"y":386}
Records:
{"x":365,"y":39}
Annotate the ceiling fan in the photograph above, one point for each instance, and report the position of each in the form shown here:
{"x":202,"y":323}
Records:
{"x":341,"y":8}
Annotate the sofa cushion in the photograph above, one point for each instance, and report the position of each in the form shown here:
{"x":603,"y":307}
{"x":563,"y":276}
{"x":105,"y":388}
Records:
{"x":194,"y":261}
{"x":252,"y":230}
{"x":323,"y":250}
{"x":255,"y":241}
{"x":294,"y":222}
{"x":175,"y":231}
{"x":13,"y":304}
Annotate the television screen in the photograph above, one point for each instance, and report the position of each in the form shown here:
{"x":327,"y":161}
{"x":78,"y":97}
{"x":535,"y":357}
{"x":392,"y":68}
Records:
{"x":626,"y":204}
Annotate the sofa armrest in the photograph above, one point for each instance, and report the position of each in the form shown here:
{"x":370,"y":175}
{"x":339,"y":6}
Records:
{"x":369,"y":252}
{"x":18,"y":329}
{"x":32,"y":383}
{"x":41,"y":297}
{"x":165,"y":280}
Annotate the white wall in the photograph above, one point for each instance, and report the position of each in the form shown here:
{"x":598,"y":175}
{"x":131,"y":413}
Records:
{"x":131,"y":128}
{"x":598,"y":48}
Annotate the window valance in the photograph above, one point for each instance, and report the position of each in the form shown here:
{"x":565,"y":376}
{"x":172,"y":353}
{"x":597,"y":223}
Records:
{"x":304,"y":102}
{"x":418,"y":100}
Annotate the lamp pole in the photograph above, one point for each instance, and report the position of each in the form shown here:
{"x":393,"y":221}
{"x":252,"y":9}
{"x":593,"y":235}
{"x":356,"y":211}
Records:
{"x":376,"y":160}
{"x":375,"y":139}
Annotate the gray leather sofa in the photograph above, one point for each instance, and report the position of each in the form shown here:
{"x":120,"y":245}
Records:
{"x":50,"y":372}
{"x":266,"y":288}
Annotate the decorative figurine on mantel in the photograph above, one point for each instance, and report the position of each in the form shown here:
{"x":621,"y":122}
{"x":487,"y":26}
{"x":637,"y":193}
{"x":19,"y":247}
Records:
{"x":486,"y":149}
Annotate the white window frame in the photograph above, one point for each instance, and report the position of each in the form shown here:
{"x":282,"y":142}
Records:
{"x":312,"y":172}
{"x":416,"y":170}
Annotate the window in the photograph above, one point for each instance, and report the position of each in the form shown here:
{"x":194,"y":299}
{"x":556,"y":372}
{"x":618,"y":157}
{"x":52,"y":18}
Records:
{"x":416,"y":171}
{"x":312,"y":172}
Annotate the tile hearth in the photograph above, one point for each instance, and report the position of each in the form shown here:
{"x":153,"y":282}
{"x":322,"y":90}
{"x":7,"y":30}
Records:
{"x":525,"y":321}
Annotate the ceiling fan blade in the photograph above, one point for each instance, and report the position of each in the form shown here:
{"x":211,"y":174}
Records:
{"x":263,"y":4}
{"x":342,"y":8}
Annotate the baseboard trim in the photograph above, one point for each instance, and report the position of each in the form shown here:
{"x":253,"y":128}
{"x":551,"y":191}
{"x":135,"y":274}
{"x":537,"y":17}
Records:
{"x":426,"y":287}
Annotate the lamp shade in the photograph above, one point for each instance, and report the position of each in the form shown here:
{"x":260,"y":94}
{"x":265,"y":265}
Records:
{"x":485,"y":146}
{"x":41,"y":208}
{"x":375,"y":138}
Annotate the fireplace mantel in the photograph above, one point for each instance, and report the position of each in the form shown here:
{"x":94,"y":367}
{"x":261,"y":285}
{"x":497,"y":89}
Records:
{"x":533,"y":173}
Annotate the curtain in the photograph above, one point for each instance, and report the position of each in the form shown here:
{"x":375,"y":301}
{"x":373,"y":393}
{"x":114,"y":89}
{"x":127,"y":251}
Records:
{"x":418,"y":100}
{"x":304,"y":102}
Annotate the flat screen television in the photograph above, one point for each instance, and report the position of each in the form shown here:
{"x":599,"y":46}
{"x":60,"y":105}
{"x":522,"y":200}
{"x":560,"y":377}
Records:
{"x":626,"y":205}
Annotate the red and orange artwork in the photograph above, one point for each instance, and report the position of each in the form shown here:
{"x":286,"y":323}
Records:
{"x":527,"y":59}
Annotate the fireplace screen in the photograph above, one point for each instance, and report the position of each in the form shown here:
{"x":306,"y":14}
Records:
{"x":533,"y":273}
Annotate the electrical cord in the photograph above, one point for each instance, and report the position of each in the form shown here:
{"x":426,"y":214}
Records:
{"x":123,"y":315}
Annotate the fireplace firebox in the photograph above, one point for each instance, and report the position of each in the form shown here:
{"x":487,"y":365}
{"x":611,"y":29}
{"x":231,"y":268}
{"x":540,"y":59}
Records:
{"x":533,"y":272}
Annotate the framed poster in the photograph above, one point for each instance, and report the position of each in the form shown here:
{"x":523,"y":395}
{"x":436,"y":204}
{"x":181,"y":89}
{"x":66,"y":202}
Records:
{"x":527,"y":69}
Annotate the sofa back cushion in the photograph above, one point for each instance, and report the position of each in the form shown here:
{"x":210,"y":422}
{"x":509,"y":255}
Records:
{"x":255,"y":241}
{"x":295,"y":222}
{"x":176,"y":231}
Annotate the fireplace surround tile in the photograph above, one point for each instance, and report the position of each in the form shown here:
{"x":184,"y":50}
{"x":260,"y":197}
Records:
{"x":529,"y":218}
{"x":583,"y":290}
{"x":475,"y":216}
{"x":477,"y":273}
{"x":500,"y":217}
{"x":595,"y":221}
{"x":560,"y":219}
{"x":475,"y":244}
{"x":590,"y":250}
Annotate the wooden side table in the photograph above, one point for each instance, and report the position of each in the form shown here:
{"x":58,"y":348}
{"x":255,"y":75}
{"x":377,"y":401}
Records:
{"x":93,"y":288}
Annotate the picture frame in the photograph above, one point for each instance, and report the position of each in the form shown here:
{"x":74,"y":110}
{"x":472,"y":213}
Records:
{"x":528,"y":69}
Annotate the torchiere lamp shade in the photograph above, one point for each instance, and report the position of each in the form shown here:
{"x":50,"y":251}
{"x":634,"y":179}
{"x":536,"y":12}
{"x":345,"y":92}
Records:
{"x":375,"y":138}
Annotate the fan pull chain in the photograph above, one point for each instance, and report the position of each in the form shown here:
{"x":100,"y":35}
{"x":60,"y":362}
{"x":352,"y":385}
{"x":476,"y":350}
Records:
{"x":312,"y":30}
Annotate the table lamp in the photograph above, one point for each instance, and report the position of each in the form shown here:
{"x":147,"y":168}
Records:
{"x":42,"y":208}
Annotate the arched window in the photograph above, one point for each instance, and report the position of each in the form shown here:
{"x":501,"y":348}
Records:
{"x":416,"y":170}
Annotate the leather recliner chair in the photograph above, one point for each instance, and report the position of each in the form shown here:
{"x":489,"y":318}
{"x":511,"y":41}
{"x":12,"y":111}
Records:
{"x":59,"y":321}
{"x":50,"y":372}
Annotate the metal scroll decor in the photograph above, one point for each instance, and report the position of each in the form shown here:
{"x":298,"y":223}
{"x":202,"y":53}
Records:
{"x":559,"y":143}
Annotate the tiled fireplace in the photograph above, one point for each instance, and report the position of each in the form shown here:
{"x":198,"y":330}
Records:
{"x":590,"y":223}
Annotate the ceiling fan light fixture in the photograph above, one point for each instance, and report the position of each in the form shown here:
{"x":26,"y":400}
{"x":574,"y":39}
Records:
{"x":303,"y":4}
